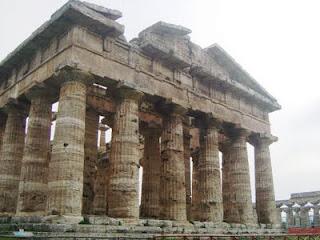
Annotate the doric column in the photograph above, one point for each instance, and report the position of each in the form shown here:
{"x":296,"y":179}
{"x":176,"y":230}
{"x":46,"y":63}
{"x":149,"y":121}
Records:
{"x":123,"y":192}
{"x":187,"y":156}
{"x":239,"y":179}
{"x":195,"y":195}
{"x":11,"y":157}
{"x":265,"y":199}
{"x":290,"y":217}
{"x":102,"y":141}
{"x":151,"y":174}
{"x":304,"y":214}
{"x":67,"y":161}
{"x":172,"y":176}
{"x":316,"y":216}
{"x":297,"y":217}
{"x":32,"y":199}
{"x":230,"y":211}
{"x":90,"y":159}
{"x":210,"y":208}
{"x":100,"y":187}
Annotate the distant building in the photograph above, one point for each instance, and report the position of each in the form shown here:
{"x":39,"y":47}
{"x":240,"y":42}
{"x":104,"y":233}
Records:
{"x":301,"y":210}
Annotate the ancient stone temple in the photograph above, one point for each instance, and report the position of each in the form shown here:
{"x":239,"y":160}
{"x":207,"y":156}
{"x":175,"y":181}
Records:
{"x":181,"y":103}
{"x":302,"y":210}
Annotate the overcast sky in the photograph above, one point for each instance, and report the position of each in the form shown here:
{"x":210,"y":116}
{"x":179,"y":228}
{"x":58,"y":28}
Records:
{"x":276,"y":41}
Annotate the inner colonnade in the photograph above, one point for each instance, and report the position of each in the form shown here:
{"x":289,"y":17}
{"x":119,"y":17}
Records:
{"x":67,"y":178}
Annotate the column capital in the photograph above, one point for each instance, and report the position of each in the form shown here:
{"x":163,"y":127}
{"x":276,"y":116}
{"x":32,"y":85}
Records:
{"x":41,"y":90}
{"x":20,"y":108}
{"x":108,"y":120}
{"x":69,"y":75}
{"x":262,"y":139}
{"x":147,"y":129}
{"x":238,"y":133}
{"x":129,"y":93}
{"x":103,"y":127}
{"x":208,"y":121}
{"x":172,"y":109}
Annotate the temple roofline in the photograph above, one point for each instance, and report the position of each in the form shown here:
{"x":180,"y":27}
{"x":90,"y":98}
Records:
{"x":216,"y":51}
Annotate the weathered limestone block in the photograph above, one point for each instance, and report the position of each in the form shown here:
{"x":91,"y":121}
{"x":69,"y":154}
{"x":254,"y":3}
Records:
{"x":123,"y":189}
{"x":172,"y":176}
{"x":67,"y":161}
{"x":32,"y":199}
{"x":90,"y":159}
{"x":195,"y":195}
{"x":151,"y":174}
{"x":265,"y":198}
{"x":10,"y":161}
{"x":210,"y":208}
{"x":239,"y":194}
{"x":187,"y":156}
{"x":101,"y":188}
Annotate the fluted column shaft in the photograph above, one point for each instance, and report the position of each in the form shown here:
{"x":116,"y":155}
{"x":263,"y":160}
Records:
{"x":316,"y":216}
{"x":229,"y":208}
{"x":11,"y":158}
{"x":187,"y":156}
{"x":33,"y":185}
{"x":123,"y":192}
{"x":195,"y":195}
{"x":265,"y":198}
{"x":90,"y":159}
{"x":210,"y":208}
{"x":290,"y":217}
{"x":151,"y":174}
{"x":297,"y":217}
{"x":67,"y":161}
{"x":304,"y":214}
{"x":239,"y":194}
{"x":102,"y":141}
{"x":172,"y":176}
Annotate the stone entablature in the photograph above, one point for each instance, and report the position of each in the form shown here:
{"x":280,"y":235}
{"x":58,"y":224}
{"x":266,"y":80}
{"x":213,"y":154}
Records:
{"x":167,"y":101}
